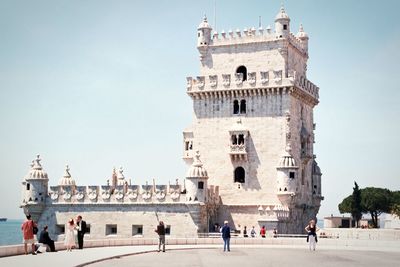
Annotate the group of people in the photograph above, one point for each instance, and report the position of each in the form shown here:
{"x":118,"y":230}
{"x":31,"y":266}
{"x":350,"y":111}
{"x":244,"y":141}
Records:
{"x":30,"y":229}
{"x":311,"y":230}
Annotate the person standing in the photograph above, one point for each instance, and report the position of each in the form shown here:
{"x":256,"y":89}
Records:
{"x":45,"y":239}
{"x":161,"y":236}
{"x":28,"y":235}
{"x":81,"y":227}
{"x":226,"y":236}
{"x":263,"y":231}
{"x":69,"y":240}
{"x":245,"y":231}
{"x":312,"y":230}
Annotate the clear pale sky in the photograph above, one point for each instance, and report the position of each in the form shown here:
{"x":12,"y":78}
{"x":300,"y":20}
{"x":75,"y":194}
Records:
{"x":98,"y":84}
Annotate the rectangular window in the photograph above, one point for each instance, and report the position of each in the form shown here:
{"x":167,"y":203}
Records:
{"x":88,"y":228}
{"x":28,"y":186}
{"x":137,"y":230}
{"x":187,"y":145}
{"x":111,"y":229}
{"x":168,"y":230}
{"x":284,"y":26}
{"x":60,"y":229}
{"x":291,"y":175}
{"x":200,"y":185}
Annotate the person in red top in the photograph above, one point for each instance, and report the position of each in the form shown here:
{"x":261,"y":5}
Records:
{"x":262,"y":232}
{"x":27,"y":230}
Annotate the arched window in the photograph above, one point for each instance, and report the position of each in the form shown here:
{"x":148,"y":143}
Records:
{"x":241,"y":139}
{"x":234,"y":140}
{"x":242,"y":106}
{"x":236,"y":107}
{"x":242,"y":69}
{"x":239,"y":175}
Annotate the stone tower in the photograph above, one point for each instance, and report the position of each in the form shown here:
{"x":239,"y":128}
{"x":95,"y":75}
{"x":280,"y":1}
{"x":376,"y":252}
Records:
{"x":253,"y":125}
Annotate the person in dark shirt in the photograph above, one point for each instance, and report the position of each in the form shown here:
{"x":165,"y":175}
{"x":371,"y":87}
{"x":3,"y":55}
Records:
{"x":161,"y":236}
{"x":81,"y":227}
{"x":45,"y":239}
{"x":312,"y":230}
{"x":226,"y":235}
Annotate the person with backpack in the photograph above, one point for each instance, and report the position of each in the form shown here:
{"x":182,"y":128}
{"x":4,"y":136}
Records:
{"x":29,"y":229}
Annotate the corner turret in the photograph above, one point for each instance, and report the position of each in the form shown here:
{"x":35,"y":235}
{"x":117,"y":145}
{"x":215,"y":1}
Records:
{"x":203,"y":37}
{"x":282,"y":24}
{"x":303,"y":36}
{"x":34,"y":190}
{"x":196,"y":181}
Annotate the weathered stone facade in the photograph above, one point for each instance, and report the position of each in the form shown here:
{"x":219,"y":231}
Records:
{"x":253,"y":126}
{"x":253,"y":113}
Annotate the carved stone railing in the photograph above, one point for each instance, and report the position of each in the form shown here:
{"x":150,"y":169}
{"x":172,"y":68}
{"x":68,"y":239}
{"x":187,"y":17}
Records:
{"x":238,"y":149}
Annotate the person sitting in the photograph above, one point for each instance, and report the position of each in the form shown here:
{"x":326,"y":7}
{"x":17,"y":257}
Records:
{"x":45,"y":239}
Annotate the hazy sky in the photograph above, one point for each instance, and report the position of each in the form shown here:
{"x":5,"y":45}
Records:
{"x":98,"y":84}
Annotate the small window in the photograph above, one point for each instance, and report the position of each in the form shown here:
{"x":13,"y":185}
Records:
{"x":111,"y":229}
{"x":137,"y":230}
{"x":28,"y":186}
{"x":291,"y":175}
{"x":60,"y":229}
{"x":187,"y":145}
{"x":242,"y":70}
{"x":198,"y":34}
{"x":236,"y":107}
{"x":200,"y":185}
{"x":87,"y":228}
{"x":239,"y":175}
{"x":191,"y":145}
{"x":40,"y":194}
{"x":243,"y":106}
{"x":168,"y":230}
{"x":284,"y":26}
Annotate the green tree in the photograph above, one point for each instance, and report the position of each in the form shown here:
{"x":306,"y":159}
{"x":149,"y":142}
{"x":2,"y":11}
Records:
{"x":346,"y":205}
{"x":356,"y":209}
{"x":395,"y":209}
{"x":375,"y":201}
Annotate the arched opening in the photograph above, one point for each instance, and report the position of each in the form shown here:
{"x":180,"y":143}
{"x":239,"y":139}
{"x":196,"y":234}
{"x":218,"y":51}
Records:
{"x":239,"y":175}
{"x":28,"y":186}
{"x":234,"y":140}
{"x":200,"y":185}
{"x":242,"y":69}
{"x":241,"y":139}
{"x":243,"y":106}
{"x":235,"y":107}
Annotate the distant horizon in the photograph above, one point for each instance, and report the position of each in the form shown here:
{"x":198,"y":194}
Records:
{"x":95,"y":84}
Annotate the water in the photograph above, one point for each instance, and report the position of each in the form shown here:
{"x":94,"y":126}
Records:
{"x":10,"y":232}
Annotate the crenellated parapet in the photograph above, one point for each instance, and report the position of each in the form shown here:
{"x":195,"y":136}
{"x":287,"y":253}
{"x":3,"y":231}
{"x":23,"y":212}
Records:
{"x":262,"y":82}
{"x":95,"y":194}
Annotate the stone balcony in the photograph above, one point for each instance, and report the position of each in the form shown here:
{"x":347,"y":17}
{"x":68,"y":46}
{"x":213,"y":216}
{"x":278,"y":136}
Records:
{"x":238,"y":152}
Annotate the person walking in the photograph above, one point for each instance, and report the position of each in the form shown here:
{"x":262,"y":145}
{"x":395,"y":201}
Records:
{"x":81,"y":227}
{"x":263,"y":231}
{"x":253,"y":232}
{"x":312,"y":230}
{"x":69,"y":240}
{"x":226,"y":236}
{"x":161,"y":236}
{"x":45,"y":239}
{"x":28,"y":234}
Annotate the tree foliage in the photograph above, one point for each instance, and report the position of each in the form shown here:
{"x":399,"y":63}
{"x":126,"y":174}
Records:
{"x":356,"y":209}
{"x":395,"y":209}
{"x":373,"y":201}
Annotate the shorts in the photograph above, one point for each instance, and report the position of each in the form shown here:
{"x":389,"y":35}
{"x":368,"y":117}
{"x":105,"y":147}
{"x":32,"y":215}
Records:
{"x":29,"y":241}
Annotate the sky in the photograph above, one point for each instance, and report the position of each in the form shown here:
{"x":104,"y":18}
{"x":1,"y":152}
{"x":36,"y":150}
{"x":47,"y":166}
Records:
{"x":98,"y":84}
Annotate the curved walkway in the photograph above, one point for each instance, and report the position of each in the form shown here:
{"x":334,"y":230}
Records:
{"x":257,"y":257}
{"x":201,"y":255}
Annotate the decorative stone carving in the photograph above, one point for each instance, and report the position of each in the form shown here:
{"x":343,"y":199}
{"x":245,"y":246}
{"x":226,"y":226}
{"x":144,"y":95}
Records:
{"x":200,"y":82}
{"x":67,"y":193}
{"x":105,"y":192}
{"x":92,"y":193}
{"x":226,"y":80}
{"x":80,"y":192}
{"x":251,"y":78}
{"x":278,"y":75}
{"x":119,"y":193}
{"x":189,"y":82}
{"x":213,"y":80}
{"x":264,"y":77}
{"x":239,"y":78}
{"x":54,"y":192}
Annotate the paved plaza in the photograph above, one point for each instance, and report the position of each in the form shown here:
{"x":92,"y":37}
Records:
{"x":257,"y":257}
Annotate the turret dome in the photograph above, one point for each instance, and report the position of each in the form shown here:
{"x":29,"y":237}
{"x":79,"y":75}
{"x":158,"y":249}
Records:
{"x":66,"y":180}
{"x":302,"y":34}
{"x":36,"y":171}
{"x":120,"y":177}
{"x":282,"y":15}
{"x":196,"y":170}
{"x":287,"y":160}
{"x":204,"y":23}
